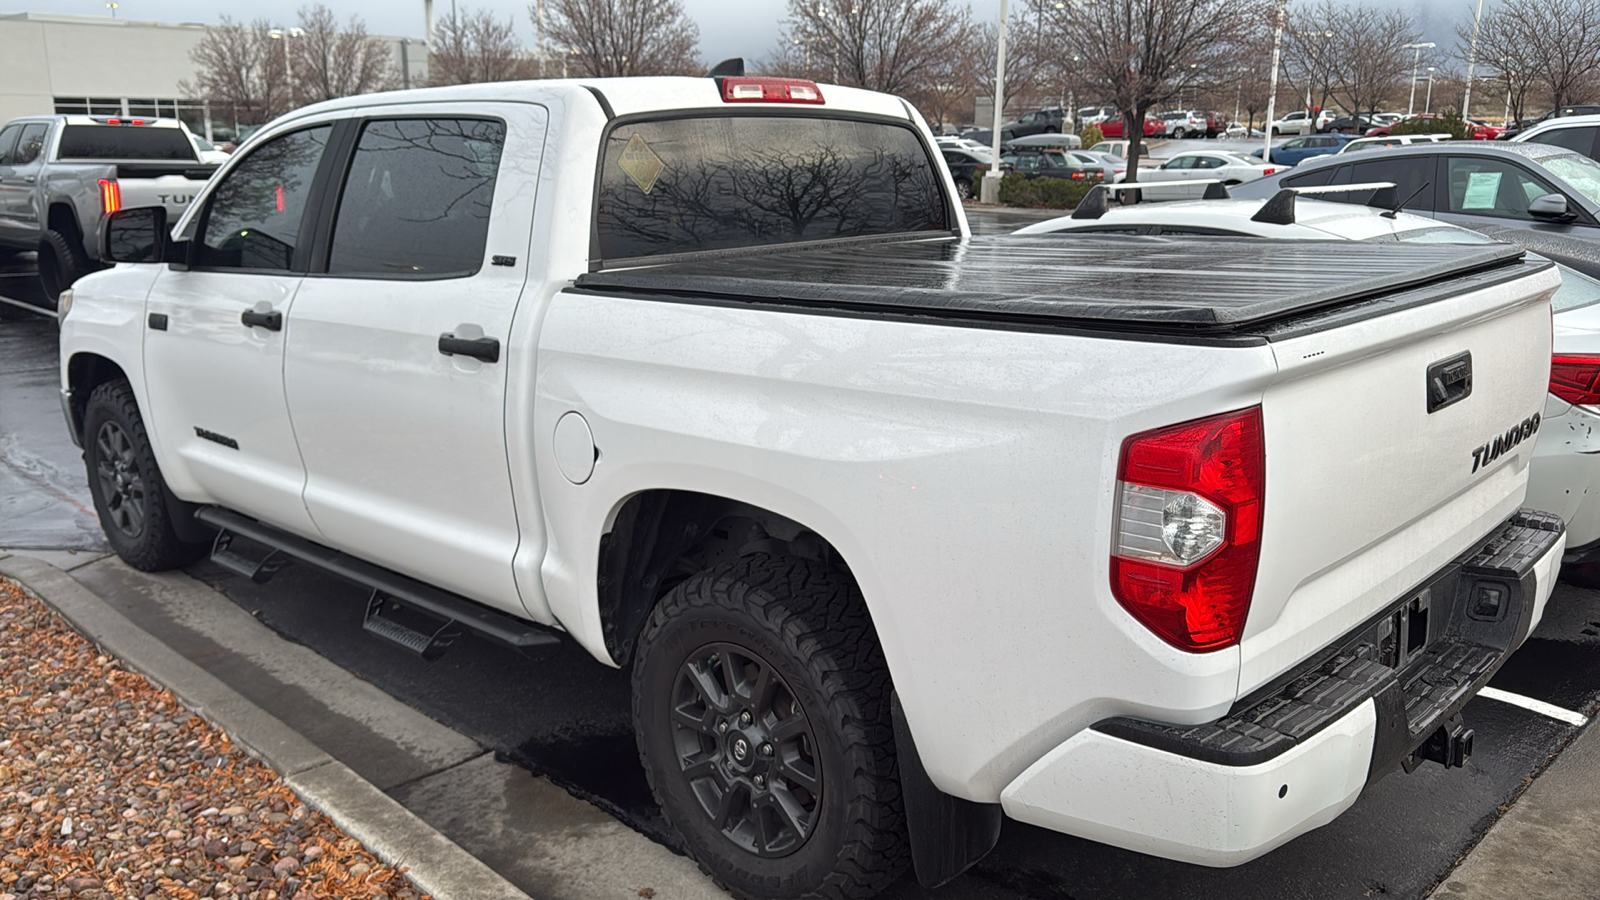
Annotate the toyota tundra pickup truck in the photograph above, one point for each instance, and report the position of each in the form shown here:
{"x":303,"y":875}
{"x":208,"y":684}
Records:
{"x":61,"y":175}
{"x":900,"y":531}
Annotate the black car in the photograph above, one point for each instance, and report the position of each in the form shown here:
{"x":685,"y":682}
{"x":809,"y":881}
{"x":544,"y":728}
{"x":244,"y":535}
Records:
{"x":1049,"y":164}
{"x":1521,"y":125}
{"x":1040,"y":121}
{"x":966,"y":169}
{"x":1348,"y":125}
{"x":1548,"y":196}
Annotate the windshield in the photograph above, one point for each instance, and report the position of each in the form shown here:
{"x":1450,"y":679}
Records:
{"x":1581,"y":172}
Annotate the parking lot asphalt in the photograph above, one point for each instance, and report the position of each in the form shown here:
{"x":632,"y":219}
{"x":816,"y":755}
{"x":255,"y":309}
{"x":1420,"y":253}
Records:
{"x":565,"y":717}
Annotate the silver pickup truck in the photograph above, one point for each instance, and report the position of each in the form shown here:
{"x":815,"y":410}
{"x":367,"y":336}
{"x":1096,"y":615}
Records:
{"x":61,"y":175}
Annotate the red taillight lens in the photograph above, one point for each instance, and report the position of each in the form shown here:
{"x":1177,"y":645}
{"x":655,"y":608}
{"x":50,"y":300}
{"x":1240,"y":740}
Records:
{"x":1188,"y":528}
{"x":110,"y":196}
{"x":1266,"y":172}
{"x":1576,"y":379}
{"x":770,"y":90}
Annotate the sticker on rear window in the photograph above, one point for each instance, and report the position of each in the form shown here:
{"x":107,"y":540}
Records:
{"x":640,"y":163}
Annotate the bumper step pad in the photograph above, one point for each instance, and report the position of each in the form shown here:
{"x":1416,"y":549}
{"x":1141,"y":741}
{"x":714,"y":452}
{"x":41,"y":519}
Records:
{"x":1420,"y":661}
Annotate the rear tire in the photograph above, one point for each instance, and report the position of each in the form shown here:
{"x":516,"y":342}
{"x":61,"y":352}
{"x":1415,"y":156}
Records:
{"x":964,"y":188}
{"x":62,"y":261}
{"x":129,"y":492}
{"x":761,"y":708}
{"x":1179,"y":134}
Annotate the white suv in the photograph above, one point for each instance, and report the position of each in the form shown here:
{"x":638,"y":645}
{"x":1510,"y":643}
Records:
{"x":1296,"y":122}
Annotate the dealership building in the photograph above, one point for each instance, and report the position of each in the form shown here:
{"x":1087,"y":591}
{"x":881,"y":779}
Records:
{"x":80,"y":64}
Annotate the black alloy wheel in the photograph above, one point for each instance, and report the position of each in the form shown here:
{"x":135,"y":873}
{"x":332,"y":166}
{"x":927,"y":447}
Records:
{"x":747,"y":749}
{"x":117,"y":468}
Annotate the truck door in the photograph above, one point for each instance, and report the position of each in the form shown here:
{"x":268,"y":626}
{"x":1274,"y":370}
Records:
{"x":214,"y":335}
{"x":16,"y":191}
{"x":398,"y":354}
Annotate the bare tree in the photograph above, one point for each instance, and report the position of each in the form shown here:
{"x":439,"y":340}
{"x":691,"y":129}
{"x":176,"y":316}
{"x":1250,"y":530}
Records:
{"x":1310,"y":61}
{"x":896,"y":46}
{"x":331,"y":63}
{"x":475,"y":47}
{"x":1552,"y":46}
{"x":626,"y":37}
{"x":239,"y":70}
{"x":1368,"y":45}
{"x":1140,"y":53}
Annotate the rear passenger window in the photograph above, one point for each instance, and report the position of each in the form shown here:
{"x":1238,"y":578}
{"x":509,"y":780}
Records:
{"x":253,"y":218}
{"x":1314,"y":178}
{"x":1578,"y":140}
{"x":717,"y":182}
{"x":417,"y":199}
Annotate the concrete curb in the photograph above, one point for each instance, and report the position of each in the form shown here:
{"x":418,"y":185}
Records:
{"x":435,"y":863}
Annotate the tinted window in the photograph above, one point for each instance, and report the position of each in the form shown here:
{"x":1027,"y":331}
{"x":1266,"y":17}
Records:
{"x":30,"y":143}
{"x":8,"y":140}
{"x":417,"y":199}
{"x":253,"y":218}
{"x":1412,"y":177}
{"x":1578,"y":140}
{"x":1492,"y":187}
{"x":1313,"y":178}
{"x":125,"y":142}
{"x":717,"y":182}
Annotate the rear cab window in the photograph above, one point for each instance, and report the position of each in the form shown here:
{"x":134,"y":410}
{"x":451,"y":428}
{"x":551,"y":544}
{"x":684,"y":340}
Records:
{"x":720,"y":182}
{"x":126,"y":142}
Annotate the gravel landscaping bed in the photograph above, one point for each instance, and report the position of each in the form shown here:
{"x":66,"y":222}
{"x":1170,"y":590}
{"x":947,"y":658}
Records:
{"x":110,"y":788}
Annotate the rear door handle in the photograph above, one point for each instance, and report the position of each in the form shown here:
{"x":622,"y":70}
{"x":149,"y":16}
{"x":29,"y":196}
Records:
{"x":484,"y":348}
{"x":271,"y":320}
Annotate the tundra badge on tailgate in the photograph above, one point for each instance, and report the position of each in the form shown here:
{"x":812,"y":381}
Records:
{"x":1491,"y":450}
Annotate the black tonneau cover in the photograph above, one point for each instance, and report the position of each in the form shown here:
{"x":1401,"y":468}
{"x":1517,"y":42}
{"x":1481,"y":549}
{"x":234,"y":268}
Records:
{"x":1139,"y":283}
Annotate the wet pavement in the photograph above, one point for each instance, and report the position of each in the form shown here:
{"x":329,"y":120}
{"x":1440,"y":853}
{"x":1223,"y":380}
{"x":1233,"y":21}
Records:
{"x":566,"y":716}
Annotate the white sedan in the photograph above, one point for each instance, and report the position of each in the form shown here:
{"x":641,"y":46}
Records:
{"x":1228,"y":168}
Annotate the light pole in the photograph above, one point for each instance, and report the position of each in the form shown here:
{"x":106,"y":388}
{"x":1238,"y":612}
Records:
{"x":1472,"y":59}
{"x":1428,"y":105}
{"x":1272,"y":83}
{"x":1416,"y":59}
{"x":990,"y":191}
{"x":281,"y":34}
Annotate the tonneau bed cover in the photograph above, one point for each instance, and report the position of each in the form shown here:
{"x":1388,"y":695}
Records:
{"x":1133,"y":283}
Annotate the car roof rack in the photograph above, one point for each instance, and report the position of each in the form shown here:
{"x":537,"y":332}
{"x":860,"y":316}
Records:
{"x":1097,"y":201}
{"x":1280,"y":209}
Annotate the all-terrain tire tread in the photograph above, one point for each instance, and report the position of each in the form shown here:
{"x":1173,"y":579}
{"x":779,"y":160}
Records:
{"x":819,"y":614}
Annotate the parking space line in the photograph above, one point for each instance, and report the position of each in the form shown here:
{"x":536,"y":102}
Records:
{"x":1538,"y":706}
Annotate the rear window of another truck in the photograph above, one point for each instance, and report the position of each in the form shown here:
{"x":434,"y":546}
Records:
{"x":125,"y":142}
{"x":720,"y":182}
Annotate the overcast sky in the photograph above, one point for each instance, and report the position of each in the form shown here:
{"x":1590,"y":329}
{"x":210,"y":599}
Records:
{"x":747,"y":28}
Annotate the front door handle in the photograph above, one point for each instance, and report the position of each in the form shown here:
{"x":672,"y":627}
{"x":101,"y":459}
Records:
{"x":271,"y":320}
{"x":484,"y":348}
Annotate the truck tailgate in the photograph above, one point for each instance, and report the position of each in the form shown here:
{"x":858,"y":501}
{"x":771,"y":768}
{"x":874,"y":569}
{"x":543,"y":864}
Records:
{"x":1393,"y":442}
{"x":172,"y":191}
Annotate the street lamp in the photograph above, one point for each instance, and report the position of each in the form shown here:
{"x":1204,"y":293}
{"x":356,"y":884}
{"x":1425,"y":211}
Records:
{"x":1428,"y":105}
{"x":279,"y":34}
{"x":1472,"y":59}
{"x":1416,"y":58}
{"x":990,"y":191}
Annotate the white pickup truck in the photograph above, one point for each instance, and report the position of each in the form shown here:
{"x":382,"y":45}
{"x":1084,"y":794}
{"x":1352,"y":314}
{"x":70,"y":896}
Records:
{"x":901,"y":531}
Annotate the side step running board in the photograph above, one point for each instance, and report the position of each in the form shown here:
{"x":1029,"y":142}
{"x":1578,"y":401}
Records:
{"x":389,"y":589}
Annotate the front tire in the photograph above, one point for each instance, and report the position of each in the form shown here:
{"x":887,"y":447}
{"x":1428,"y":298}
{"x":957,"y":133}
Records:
{"x":964,"y":188}
{"x":761,"y":707}
{"x":129,"y":492}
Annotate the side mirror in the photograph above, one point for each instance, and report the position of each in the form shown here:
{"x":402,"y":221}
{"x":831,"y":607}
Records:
{"x":1551,"y":206}
{"x":136,"y":235}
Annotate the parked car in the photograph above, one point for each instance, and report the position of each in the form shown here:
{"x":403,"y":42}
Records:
{"x":1480,"y":131}
{"x":967,"y":167}
{"x":1297,"y":150}
{"x":1300,"y":122}
{"x":1392,"y":140}
{"x":1241,"y":130}
{"x":1049,"y":164}
{"x":1228,"y":168}
{"x":605,"y":412}
{"x":1564,"y":476}
{"x":208,"y":154}
{"x":1113,"y":169}
{"x":1045,"y":142}
{"x":1348,"y":125}
{"x":1580,"y":134}
{"x":1052,"y":120}
{"x":1580,"y":109}
{"x":1095,"y":115}
{"x":1184,"y":123}
{"x":1550,"y":195}
{"x":1112,"y":128}
{"x":61,"y":175}
{"x":1216,"y":123}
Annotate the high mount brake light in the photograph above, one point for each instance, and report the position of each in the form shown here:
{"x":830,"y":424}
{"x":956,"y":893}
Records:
{"x":110,"y":196}
{"x":1188,"y":528}
{"x":770,"y":90}
{"x":1576,"y":379}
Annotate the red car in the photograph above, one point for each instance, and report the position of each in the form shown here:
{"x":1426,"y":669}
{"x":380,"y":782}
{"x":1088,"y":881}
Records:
{"x":1480,"y":131}
{"x":1112,"y":128}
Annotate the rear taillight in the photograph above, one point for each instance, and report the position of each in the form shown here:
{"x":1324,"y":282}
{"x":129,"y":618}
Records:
{"x":110,"y":196}
{"x":1576,"y":379}
{"x":1188,"y":528}
{"x":770,"y":90}
{"x":1266,"y":172}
